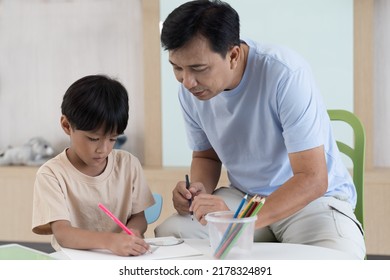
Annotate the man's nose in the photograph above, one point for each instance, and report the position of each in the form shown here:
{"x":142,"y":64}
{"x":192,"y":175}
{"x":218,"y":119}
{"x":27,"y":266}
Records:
{"x":188,"y":80}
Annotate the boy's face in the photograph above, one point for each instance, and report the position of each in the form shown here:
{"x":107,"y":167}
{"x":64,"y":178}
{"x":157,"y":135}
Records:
{"x":88,"y":150}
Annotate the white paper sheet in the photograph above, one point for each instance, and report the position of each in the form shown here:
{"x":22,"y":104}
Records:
{"x":158,"y":252}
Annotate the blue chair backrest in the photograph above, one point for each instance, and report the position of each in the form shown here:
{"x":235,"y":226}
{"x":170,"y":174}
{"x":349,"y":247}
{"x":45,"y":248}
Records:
{"x":153,"y":212}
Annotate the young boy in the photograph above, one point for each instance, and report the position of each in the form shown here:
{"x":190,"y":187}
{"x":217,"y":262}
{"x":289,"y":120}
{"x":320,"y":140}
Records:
{"x":69,"y":187}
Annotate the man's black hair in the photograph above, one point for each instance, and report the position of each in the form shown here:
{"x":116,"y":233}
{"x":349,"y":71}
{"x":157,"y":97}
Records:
{"x":215,"y":20}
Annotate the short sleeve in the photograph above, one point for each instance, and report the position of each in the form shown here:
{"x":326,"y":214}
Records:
{"x":300,"y":112}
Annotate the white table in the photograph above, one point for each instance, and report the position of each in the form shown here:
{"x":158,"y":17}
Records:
{"x":275,"y":251}
{"x":262,"y":251}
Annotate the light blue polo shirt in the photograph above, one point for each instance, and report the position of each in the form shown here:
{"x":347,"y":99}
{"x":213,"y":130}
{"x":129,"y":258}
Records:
{"x":275,"y":110}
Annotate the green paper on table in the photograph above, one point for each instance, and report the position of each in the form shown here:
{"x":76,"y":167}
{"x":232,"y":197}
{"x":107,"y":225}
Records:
{"x":19,"y":252}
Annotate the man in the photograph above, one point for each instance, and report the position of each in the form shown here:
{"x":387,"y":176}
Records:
{"x":256,"y":110}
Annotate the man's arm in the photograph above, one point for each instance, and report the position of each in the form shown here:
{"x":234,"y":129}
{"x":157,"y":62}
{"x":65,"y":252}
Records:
{"x":205,"y":173}
{"x":309,"y":182}
{"x":206,"y":169}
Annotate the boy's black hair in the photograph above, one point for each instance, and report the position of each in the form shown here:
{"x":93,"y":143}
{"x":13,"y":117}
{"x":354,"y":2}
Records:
{"x":215,"y":20}
{"x":96,"y":101}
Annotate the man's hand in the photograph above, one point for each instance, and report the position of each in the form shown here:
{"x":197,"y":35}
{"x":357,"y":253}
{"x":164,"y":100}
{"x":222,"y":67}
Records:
{"x":207,"y":203}
{"x":180,"y":196}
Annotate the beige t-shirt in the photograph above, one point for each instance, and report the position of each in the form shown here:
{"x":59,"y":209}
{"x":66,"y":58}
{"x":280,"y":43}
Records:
{"x":61,"y":192}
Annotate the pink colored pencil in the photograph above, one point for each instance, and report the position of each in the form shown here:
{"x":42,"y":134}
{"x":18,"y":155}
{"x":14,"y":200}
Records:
{"x":115,"y":219}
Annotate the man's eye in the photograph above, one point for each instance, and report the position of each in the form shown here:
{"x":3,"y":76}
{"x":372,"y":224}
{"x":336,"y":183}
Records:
{"x":199,"y":69}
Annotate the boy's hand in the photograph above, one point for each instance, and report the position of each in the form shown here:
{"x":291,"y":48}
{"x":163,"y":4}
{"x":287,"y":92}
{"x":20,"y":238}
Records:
{"x":123,"y":244}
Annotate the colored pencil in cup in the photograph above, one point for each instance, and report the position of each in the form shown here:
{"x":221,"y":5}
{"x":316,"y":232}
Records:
{"x":229,"y":228}
{"x":240,"y":206}
{"x":227,"y":243}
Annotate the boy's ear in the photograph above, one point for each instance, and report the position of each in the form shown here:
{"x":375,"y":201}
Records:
{"x":65,"y":124}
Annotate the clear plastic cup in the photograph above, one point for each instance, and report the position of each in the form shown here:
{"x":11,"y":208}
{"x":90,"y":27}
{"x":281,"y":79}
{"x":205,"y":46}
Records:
{"x":230,"y":238}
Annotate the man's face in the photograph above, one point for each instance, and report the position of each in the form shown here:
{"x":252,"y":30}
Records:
{"x":202,"y":71}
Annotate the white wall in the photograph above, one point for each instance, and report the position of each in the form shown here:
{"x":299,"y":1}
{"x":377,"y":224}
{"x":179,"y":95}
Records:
{"x":47,"y":45}
{"x":321,"y":30}
{"x":381,"y":83}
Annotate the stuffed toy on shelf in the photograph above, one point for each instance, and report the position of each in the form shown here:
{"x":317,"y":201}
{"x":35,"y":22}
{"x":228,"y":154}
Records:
{"x":34,"y":153}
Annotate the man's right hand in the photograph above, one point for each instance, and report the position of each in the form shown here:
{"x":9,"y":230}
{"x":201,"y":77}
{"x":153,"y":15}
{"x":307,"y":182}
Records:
{"x":181,"y":196}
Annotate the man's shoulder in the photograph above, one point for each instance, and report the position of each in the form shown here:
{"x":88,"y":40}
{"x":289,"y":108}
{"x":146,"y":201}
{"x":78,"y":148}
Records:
{"x":278,"y":54}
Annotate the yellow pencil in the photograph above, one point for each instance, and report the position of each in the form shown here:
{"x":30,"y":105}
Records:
{"x":247,"y":207}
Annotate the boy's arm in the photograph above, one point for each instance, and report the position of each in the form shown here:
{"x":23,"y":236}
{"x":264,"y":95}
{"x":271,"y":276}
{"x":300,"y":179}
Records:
{"x":120,"y":244}
{"x":137,"y":223}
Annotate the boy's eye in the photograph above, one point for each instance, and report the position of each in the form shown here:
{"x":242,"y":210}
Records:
{"x":113,"y":139}
{"x":93,"y":139}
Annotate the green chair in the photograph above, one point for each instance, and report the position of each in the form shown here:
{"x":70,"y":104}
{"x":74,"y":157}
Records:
{"x":153,"y":212}
{"x":355,"y":153}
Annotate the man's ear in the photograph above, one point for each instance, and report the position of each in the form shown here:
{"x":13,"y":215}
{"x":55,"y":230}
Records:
{"x":65,"y":124}
{"x":234,"y":55}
